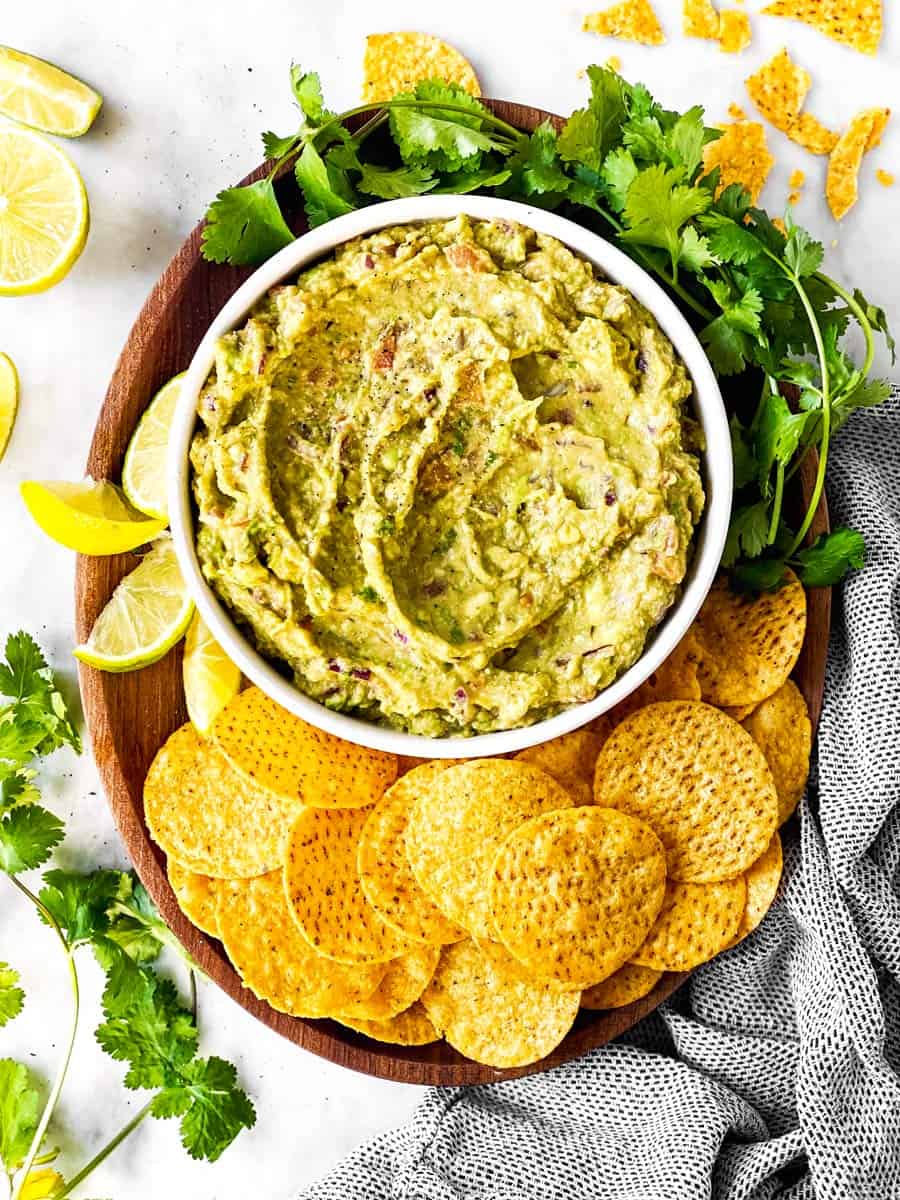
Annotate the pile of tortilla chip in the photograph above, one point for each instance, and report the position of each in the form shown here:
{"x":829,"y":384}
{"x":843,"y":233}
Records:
{"x":486,"y":901}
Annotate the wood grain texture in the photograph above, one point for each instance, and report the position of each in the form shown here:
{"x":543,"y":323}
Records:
{"x":129,"y":716}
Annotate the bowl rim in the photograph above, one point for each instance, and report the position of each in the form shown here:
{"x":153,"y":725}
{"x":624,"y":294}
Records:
{"x":716,"y":467}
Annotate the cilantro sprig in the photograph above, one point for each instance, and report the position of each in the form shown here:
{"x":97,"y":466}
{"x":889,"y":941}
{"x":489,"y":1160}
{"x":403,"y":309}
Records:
{"x":633,"y":171}
{"x":145,"y":1024}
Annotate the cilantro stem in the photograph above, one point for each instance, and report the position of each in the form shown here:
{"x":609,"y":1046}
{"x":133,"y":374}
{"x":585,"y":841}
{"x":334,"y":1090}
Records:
{"x":863,"y":321}
{"x":515,"y":135}
{"x":41,"y":1132}
{"x":819,"y":484}
{"x":777,"y":502}
{"x":105,"y":1151}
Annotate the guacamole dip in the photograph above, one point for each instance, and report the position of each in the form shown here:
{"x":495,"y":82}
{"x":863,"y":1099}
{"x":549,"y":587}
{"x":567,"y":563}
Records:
{"x":447,"y":478}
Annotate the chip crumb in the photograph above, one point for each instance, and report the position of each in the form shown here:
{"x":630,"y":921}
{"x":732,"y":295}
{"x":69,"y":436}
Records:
{"x":794,"y":198}
{"x":734,"y":31}
{"x":614,"y":63}
{"x":631,"y":20}
{"x":885,"y":178}
{"x":742,"y":156}
{"x":736,"y":112}
{"x":396,"y":62}
{"x":842,"y":182}
{"x":797,"y":179}
{"x":856,"y":23}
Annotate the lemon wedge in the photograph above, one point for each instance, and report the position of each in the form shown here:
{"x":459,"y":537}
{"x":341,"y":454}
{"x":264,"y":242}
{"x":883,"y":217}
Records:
{"x":43,"y":212}
{"x":210,"y":677}
{"x":92,"y":518}
{"x":40,"y":95}
{"x":144,"y":469}
{"x":144,"y":617}
{"x":9,"y":400}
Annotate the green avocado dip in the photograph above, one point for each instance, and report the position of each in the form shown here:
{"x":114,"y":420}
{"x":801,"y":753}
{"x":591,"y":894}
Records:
{"x":447,"y":478}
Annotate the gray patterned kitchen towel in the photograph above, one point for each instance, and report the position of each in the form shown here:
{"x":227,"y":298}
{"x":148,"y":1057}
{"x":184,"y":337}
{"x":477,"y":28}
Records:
{"x":776,"y":1071}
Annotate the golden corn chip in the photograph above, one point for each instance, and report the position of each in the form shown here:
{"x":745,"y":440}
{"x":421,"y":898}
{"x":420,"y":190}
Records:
{"x":737,"y":712}
{"x":856,"y":23}
{"x":410,"y":1028}
{"x":699,"y":19}
{"x":674,"y":679}
{"x":196,"y":896}
{"x":278,"y":751}
{"x":632,"y":20}
{"x":207,"y":817}
{"x":624,"y":986}
{"x":396,"y":62}
{"x":781,"y":728}
{"x":698,"y":780}
{"x":696,"y":921}
{"x":404,"y":982}
{"x":742,"y":156}
{"x":750,"y":644}
{"x":325,"y":895}
{"x":842,"y":182}
{"x":456,"y":827}
{"x":809,"y":132}
{"x":762,"y":881}
{"x":734,"y":31}
{"x":490,"y":1013}
{"x":778,"y":89}
{"x":384,"y":871}
{"x":574,"y":893}
{"x":273,"y":958}
{"x":570,"y":759}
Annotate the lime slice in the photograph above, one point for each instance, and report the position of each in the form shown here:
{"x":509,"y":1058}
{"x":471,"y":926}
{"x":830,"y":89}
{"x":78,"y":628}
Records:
{"x":40,"y":95}
{"x":144,"y":470}
{"x":143,"y":618}
{"x":43,"y":212}
{"x":210,"y":677}
{"x":92,"y":518}
{"x":9,"y":400}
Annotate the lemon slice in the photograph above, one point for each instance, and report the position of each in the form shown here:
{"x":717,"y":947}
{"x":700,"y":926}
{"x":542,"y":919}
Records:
{"x":143,"y":618}
{"x":92,"y":518}
{"x":210,"y":677}
{"x":40,"y":95}
{"x":9,"y":400}
{"x":144,"y":469}
{"x":43,"y":212}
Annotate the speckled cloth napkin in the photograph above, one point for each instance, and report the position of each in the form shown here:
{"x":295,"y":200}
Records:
{"x":776,"y":1071}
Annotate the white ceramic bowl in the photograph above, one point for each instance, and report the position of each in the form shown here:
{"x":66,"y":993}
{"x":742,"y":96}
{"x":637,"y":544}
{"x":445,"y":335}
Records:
{"x":611,"y":262}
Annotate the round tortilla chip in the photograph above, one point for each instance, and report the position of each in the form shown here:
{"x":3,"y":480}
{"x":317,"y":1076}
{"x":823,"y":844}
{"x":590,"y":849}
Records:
{"x":196,"y":896}
{"x":781,"y":728}
{"x":737,"y":712}
{"x":404,"y":982}
{"x":750,"y":644}
{"x":456,"y":827}
{"x":410,"y":1028}
{"x":384,"y":871}
{"x":570,"y":759}
{"x":396,"y":62}
{"x":624,"y":986}
{"x":674,"y":679}
{"x":325,"y":895}
{"x":696,"y":921}
{"x":698,"y":780}
{"x":762,"y":882}
{"x":574,"y":893}
{"x":487,"y":1011}
{"x":276,"y":750}
{"x":209,"y":818}
{"x":275,"y":961}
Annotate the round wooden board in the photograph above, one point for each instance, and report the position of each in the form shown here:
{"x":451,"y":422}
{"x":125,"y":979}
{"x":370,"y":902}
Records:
{"x":129,"y":716}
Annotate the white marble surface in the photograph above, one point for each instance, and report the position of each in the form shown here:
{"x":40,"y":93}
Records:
{"x":189,"y":84}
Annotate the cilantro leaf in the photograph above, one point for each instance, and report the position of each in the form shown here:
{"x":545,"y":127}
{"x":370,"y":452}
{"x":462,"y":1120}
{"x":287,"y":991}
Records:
{"x":16,"y":785}
{"x":745,"y":465}
{"x":728,"y":347}
{"x":777,"y":433}
{"x":618,"y":174}
{"x":391,"y":183}
{"x":488,"y":175}
{"x":695,"y":251}
{"x":244,"y":225}
{"x":321,"y":200}
{"x":212,"y":1107}
{"x":277,"y":147}
{"x":729,"y":240}
{"x":830,"y":557}
{"x":590,"y":132}
{"x":20,"y":675}
{"x":442,"y":141}
{"x":149,"y":1029}
{"x":748,"y":532}
{"x":19,"y":1101}
{"x":877,"y":318}
{"x":658,"y":205}
{"x":80,"y":903}
{"x":758,"y":575}
{"x":28,"y":834}
{"x":307,"y":89}
{"x":541,"y":168}
{"x":801,"y":253}
{"x":36,"y":722}
{"x":135,"y":925}
{"x":12,"y":997}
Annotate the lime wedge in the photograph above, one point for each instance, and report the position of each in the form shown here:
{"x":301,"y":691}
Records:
{"x":210,"y":677}
{"x":92,"y":518}
{"x":144,"y":469}
{"x":40,"y":95}
{"x":143,"y":618}
{"x":43,"y":212}
{"x":9,"y":400}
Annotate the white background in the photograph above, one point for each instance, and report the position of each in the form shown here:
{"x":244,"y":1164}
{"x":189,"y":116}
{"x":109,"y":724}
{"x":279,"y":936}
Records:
{"x":188,"y":86}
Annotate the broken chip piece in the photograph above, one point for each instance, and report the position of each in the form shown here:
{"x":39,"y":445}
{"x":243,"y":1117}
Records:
{"x":632,"y":20}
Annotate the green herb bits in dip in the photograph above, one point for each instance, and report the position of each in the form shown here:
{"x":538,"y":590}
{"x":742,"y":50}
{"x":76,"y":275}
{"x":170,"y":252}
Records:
{"x":448,"y":477}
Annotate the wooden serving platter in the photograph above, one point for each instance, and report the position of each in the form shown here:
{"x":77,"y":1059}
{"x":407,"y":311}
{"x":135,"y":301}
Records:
{"x":129,"y":716}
